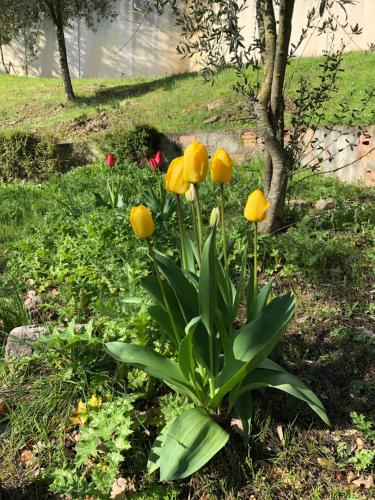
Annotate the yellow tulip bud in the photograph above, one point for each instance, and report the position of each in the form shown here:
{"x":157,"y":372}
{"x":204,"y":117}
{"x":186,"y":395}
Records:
{"x":190,"y":194}
{"x":141,"y":221}
{"x":256,"y":206}
{"x":195,"y":163}
{"x":214,"y":217}
{"x":221,"y":166}
{"x":174,"y":180}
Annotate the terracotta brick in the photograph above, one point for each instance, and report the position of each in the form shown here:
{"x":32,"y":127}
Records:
{"x":369,"y":178}
{"x":249,"y":139}
{"x":185,"y":140}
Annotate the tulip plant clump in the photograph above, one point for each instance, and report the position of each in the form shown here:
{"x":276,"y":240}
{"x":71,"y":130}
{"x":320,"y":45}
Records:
{"x":115,"y":199}
{"x":196,"y":304}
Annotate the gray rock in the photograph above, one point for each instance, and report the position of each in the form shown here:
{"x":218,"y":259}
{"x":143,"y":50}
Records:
{"x":325,"y":204}
{"x":19,"y":339}
{"x":299,"y":203}
{"x":215,"y":104}
{"x":32,"y":304}
{"x":212,"y":119}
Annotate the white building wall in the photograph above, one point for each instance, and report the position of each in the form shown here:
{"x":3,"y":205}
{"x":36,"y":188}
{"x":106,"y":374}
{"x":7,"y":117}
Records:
{"x":132,"y":46}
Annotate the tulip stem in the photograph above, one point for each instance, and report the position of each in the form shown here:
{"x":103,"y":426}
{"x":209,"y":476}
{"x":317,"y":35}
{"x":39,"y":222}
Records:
{"x":182,"y":231}
{"x":222,"y":200}
{"x":195,"y":232}
{"x":199,"y":219}
{"x":162,"y":289}
{"x":255,"y":238}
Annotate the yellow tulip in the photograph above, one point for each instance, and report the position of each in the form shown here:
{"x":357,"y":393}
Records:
{"x":195,"y":163}
{"x":221,"y":166}
{"x":256,"y":206}
{"x":142,"y":222}
{"x":174,"y":180}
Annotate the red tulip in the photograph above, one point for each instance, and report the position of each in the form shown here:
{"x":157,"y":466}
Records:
{"x":152,"y":164}
{"x":110,"y":160}
{"x":159,"y":159}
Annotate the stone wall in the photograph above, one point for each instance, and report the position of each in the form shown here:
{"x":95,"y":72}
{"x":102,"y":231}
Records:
{"x":339,"y":150}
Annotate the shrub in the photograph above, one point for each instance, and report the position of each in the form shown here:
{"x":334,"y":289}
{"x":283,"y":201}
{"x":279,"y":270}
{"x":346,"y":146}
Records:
{"x":25,"y":156}
{"x":136,"y":145}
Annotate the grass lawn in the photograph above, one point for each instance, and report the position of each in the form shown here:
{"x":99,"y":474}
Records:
{"x":84,"y":263}
{"x":39,"y":104}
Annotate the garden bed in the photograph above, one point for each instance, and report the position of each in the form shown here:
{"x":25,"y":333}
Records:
{"x":83,"y":263}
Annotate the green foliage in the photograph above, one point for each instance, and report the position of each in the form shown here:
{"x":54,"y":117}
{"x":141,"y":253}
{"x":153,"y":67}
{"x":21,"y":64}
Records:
{"x":25,"y":156}
{"x":114,"y":197}
{"x":134,"y":146}
{"x":362,"y":459}
{"x":161,"y":203}
{"x":213,"y":361}
{"x":365,"y":425}
{"x":54,"y":234}
{"x":12,"y":310}
{"x":74,"y":348}
{"x":98,"y":454}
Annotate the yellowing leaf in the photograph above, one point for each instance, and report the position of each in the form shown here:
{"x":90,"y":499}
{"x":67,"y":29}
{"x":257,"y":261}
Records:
{"x":327,"y":463}
{"x":94,"y":403}
{"x":80,"y":414}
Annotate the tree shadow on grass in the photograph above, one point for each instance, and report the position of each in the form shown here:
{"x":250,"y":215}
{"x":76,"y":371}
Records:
{"x":36,"y":490}
{"x":107,"y":95}
{"x":339,"y":368}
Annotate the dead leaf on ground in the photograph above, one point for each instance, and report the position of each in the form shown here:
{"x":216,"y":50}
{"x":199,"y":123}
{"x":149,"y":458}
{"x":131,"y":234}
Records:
{"x":236,"y":425}
{"x":341,"y":475}
{"x":120,"y":487}
{"x":3,"y":408}
{"x":27,"y":457}
{"x":351,"y":476}
{"x":280,"y":433}
{"x":360,"y":444}
{"x":327,"y":463}
{"x":366,"y":482}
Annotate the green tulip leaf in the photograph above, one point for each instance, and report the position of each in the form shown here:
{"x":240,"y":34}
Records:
{"x":244,"y":411}
{"x":154,"y":457}
{"x":190,"y":442}
{"x":208,"y":283}
{"x":161,"y":316}
{"x":256,"y":305}
{"x":185,"y":291}
{"x":189,"y":253}
{"x":152,"y":363}
{"x":253,"y":343}
{"x":270,"y":374}
{"x":185,"y":354}
{"x":176,"y":316}
{"x":241,"y":286}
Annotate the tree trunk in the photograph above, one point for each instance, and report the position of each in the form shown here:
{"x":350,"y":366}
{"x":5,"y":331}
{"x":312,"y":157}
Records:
{"x":266,"y":16}
{"x":275,"y":149}
{"x":270,"y":109}
{"x":7,"y":70}
{"x":261,"y":32}
{"x":57,"y":19}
